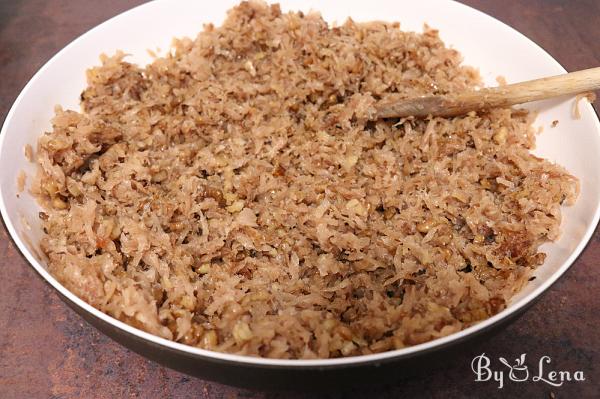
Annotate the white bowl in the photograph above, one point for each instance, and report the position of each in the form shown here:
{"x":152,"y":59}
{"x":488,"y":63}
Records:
{"x":486,"y":43}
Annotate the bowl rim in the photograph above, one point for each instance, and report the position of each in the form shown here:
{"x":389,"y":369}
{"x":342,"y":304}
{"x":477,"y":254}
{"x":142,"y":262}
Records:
{"x":407,"y":352}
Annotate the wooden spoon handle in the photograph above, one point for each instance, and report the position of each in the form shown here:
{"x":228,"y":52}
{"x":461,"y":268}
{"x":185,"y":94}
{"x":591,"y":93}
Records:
{"x":503,"y":96}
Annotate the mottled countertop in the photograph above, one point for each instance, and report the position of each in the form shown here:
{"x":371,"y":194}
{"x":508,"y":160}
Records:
{"x":46,"y":350}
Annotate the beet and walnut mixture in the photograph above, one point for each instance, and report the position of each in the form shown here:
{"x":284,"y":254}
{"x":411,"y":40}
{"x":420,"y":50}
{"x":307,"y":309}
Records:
{"x":238,"y":195}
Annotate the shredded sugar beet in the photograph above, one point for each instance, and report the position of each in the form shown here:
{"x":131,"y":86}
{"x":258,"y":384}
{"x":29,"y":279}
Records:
{"x":21,"y":181}
{"x":236,"y":196}
{"x":589,"y":96}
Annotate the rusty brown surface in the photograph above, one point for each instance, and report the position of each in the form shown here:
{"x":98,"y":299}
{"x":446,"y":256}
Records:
{"x":46,"y":350}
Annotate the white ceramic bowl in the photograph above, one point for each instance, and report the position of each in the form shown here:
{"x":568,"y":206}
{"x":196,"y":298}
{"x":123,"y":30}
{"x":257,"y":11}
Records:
{"x":486,"y":43}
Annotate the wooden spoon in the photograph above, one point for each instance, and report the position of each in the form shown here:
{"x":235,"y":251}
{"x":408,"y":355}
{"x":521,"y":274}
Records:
{"x":493,"y":97}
